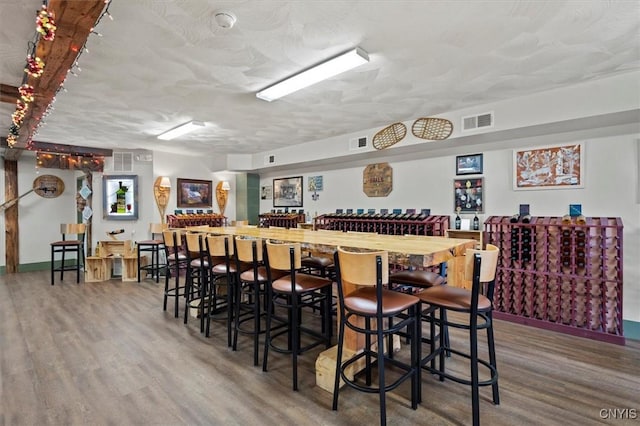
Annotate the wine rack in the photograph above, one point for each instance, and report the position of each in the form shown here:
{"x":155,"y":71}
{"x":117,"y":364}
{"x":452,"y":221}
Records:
{"x":390,"y":224}
{"x":563,"y":274}
{"x":281,"y":220}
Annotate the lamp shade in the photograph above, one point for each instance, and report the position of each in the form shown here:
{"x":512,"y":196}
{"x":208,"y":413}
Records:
{"x":165,"y":182}
{"x":226,"y":186}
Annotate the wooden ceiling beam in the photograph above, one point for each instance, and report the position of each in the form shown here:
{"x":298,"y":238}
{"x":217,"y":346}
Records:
{"x":8,"y":93}
{"x":56,"y":148}
{"x":74,"y":21}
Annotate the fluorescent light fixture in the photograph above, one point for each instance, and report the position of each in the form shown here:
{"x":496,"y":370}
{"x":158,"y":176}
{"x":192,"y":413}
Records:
{"x":323,"y":71}
{"x":181,"y":130}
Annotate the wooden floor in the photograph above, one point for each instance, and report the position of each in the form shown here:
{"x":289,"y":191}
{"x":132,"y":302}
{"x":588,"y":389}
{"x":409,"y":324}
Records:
{"x":106,"y":354}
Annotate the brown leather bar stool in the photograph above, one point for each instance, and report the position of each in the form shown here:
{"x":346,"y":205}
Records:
{"x":197,"y":276}
{"x":293,"y":292}
{"x":73,"y":246}
{"x":248,"y":310}
{"x":152,"y":246}
{"x":176,"y":260}
{"x":374,"y":305}
{"x":317,"y":265}
{"x":480,"y":268}
{"x":222,"y":280}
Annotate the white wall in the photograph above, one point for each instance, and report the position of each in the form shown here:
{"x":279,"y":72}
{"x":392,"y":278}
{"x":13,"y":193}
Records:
{"x":610,"y":190}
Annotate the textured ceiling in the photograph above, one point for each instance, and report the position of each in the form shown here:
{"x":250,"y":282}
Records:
{"x":160,"y":63}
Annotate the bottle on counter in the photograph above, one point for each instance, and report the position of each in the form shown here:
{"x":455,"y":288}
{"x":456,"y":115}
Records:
{"x":476,"y":222}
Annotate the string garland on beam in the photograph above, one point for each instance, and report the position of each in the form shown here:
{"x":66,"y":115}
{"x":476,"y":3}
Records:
{"x":46,"y":30}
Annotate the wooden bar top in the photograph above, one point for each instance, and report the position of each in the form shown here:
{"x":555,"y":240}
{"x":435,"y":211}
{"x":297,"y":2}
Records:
{"x":416,"y":251}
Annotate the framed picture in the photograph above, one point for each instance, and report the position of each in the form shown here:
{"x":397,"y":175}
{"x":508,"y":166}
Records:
{"x":120,"y":197}
{"x":315,"y":183}
{"x":551,"y":167}
{"x":266,"y":192}
{"x":468,"y":195}
{"x":194,"y":193}
{"x":287,"y":192}
{"x":469,"y":164}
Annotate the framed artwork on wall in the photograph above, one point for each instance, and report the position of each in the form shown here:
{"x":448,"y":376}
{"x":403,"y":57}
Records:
{"x":266,"y":192}
{"x":194,"y":193}
{"x":550,"y":167}
{"x":120,"y":197}
{"x":287,"y":192}
{"x":468,"y":195}
{"x":469,"y":164}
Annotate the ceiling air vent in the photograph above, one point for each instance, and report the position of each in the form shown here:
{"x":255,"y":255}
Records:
{"x":357,"y":143}
{"x":122,"y":161}
{"x":481,"y":121}
{"x":269,"y":159}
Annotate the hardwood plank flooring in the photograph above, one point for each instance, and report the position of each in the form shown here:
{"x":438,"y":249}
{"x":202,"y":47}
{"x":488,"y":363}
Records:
{"x":106,"y":354}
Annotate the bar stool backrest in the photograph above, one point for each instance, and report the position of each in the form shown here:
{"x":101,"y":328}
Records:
{"x":172,"y":237}
{"x":244,"y":249}
{"x":195,"y":242}
{"x":77,"y":229}
{"x":157,"y":228}
{"x":488,"y":265}
{"x":359,"y":268}
{"x":219,"y":245}
{"x":281,"y":256}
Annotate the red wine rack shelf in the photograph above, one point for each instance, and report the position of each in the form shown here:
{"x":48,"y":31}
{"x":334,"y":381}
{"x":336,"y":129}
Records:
{"x":561,"y":276}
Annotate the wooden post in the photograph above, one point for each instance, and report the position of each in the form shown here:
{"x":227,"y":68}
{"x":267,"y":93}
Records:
{"x":12,"y":234}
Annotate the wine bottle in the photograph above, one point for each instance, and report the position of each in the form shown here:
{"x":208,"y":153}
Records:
{"x":526,"y":218}
{"x":581,"y":220}
{"x":566,"y":219}
{"x":515,"y":218}
{"x":458,"y":222}
{"x":476,"y":222}
{"x":121,"y":199}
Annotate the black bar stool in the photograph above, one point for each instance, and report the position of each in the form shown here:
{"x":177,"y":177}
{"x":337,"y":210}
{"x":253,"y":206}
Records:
{"x":64,"y":246}
{"x":152,"y":246}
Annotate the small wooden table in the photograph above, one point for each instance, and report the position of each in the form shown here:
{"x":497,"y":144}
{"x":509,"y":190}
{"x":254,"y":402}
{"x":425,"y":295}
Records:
{"x":99,"y":268}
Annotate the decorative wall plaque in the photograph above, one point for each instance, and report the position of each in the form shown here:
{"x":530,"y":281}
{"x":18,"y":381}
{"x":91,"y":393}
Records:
{"x":48,"y":186}
{"x":377,"y":180}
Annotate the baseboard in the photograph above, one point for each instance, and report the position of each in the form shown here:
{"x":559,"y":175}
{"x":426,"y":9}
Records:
{"x":34,"y":267}
{"x":631,"y":329}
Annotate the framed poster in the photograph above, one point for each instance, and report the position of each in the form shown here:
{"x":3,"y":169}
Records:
{"x":468,"y":195}
{"x":287,"y":192}
{"x":194,"y":193}
{"x":551,"y":167}
{"x":120,"y":197}
{"x":469,"y":164}
{"x":266,"y":192}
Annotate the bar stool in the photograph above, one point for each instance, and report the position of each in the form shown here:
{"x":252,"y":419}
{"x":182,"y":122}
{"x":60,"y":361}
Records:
{"x":250,"y":289}
{"x":292,"y":292}
{"x":223,"y":277}
{"x":373,"y":304}
{"x":153,"y":246}
{"x":480,"y":268}
{"x":176,"y":260}
{"x":197,"y":276}
{"x":65,"y":246}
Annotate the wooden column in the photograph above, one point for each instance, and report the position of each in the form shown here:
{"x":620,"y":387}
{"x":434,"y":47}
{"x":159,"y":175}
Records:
{"x":12,"y":234}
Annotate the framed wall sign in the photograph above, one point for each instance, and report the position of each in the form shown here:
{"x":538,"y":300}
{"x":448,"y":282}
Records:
{"x":287,"y":192}
{"x":468,"y":195}
{"x":469,"y":164}
{"x":377,"y":180}
{"x":194,"y":193}
{"x":551,"y":167}
{"x":120,"y":197}
{"x":266,"y":192}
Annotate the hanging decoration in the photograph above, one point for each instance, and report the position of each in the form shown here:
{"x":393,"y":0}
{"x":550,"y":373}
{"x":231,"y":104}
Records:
{"x":26,"y":93}
{"x":35,"y":66}
{"x":46,"y":28}
{"x":432,"y":128}
{"x":45,"y":24}
{"x":389,"y":136}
